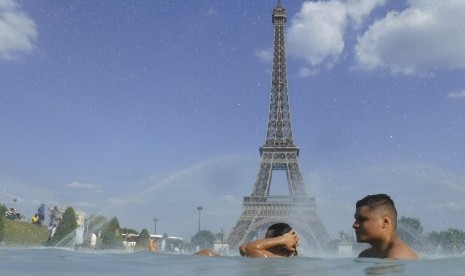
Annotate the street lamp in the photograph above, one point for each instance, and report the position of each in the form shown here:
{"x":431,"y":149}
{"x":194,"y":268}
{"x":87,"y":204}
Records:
{"x":200,"y":209}
{"x":155,"y":222}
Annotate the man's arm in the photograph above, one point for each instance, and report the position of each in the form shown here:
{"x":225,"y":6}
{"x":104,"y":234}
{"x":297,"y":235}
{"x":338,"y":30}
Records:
{"x":260,"y":248}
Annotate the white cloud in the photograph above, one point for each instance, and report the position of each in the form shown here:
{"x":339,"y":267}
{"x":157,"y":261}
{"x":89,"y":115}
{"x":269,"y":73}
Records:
{"x":80,"y":185}
{"x":316,"y":33}
{"x":429,"y":35}
{"x":306,"y":72}
{"x":457,"y":95}
{"x":358,"y":10}
{"x":7,"y":4}
{"x":18,"y":32}
{"x":264,"y":55}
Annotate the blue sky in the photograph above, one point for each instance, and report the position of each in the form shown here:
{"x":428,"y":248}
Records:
{"x":143,"y":109}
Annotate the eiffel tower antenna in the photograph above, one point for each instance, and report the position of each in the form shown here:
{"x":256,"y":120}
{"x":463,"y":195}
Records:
{"x":279,"y":153}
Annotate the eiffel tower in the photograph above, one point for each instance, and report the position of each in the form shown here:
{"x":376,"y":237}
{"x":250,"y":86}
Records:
{"x":279,"y":153}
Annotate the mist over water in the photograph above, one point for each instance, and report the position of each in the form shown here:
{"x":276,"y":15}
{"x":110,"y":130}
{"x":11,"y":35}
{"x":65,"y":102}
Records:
{"x":56,"y":261}
{"x":219,"y":184}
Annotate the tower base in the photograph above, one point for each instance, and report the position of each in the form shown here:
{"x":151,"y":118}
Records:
{"x":261,"y":212}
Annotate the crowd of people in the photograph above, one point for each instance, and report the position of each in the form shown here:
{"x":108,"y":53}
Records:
{"x":13,"y":214}
{"x":38,"y":218}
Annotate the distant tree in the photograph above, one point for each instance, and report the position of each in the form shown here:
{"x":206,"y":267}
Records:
{"x":413,"y":224}
{"x":95,"y":223}
{"x":3,"y":210}
{"x":452,"y":240}
{"x":143,"y":241}
{"x":110,"y":238}
{"x":129,"y":231}
{"x":66,"y":226}
{"x":410,"y":230}
{"x":113,"y":225}
{"x":203,"y":239}
{"x":436,"y":238}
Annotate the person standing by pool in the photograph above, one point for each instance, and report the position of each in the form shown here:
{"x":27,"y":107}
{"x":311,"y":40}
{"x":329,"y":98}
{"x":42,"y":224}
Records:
{"x":153,"y":245}
{"x":41,"y":213}
{"x":375,"y":223}
{"x":280,"y":241}
{"x":93,"y":241}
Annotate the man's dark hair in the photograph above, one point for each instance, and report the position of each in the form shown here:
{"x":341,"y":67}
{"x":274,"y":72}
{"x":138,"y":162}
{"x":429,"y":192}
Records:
{"x":276,"y":230}
{"x":379,"y":201}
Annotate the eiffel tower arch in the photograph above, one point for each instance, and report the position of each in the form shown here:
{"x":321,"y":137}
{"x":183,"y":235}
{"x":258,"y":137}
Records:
{"x":279,"y":153}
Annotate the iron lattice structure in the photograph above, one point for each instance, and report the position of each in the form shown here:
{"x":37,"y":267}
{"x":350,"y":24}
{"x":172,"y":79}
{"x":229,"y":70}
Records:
{"x":279,"y":153}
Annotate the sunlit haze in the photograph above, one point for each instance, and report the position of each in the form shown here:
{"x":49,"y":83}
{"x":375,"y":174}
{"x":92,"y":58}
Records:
{"x":149,"y":109}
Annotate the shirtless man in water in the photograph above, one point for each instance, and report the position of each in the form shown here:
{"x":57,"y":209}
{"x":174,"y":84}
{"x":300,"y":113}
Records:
{"x":375,"y":223}
{"x":280,"y":241}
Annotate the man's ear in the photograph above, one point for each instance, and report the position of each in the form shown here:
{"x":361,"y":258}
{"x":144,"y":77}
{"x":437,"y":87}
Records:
{"x":386,"y":221}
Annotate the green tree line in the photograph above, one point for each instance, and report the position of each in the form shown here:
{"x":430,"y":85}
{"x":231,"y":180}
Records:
{"x":450,"y":240}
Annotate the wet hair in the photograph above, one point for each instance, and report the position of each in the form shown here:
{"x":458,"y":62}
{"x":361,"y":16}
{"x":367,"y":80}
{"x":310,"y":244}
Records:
{"x":276,"y":230}
{"x":379,"y":202}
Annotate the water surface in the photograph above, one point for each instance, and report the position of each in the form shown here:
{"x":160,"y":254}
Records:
{"x":54,"y":261}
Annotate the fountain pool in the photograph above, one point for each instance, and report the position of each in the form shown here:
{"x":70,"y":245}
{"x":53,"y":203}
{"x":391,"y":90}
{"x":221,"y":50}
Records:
{"x":56,"y":261}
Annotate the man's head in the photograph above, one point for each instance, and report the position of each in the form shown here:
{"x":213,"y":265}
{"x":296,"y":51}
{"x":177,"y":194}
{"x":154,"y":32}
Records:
{"x":276,"y":230}
{"x":381,"y":204}
{"x":375,"y":216}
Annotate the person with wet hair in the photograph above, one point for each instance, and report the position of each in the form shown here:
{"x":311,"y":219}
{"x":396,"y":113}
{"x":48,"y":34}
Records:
{"x":375,"y":224}
{"x":280,"y":241}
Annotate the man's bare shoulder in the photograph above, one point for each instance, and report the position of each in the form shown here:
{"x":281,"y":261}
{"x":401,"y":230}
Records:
{"x":401,"y":250}
{"x":396,"y":251}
